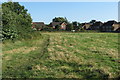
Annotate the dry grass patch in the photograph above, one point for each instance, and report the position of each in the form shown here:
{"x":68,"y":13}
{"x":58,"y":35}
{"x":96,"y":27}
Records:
{"x":72,"y":75}
{"x":61,"y":48}
{"x":30,"y":49}
{"x":51,"y":49}
{"x":65,"y":56}
{"x":7,"y":58}
{"x":110,"y":52}
{"x":39,"y":67}
{"x":20,"y":50}
{"x":107,"y":69}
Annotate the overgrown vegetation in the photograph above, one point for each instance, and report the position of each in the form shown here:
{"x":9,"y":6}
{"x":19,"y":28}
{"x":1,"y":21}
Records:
{"x":63,"y":55}
{"x":16,"y":21}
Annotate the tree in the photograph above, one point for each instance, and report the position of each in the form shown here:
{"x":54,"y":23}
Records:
{"x":92,"y":21}
{"x":75,"y":25}
{"x":69,"y":27}
{"x":60,"y":19}
{"x":15,"y":19}
{"x":57,"y":27}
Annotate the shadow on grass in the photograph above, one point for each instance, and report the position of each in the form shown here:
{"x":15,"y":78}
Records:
{"x":84,"y":70}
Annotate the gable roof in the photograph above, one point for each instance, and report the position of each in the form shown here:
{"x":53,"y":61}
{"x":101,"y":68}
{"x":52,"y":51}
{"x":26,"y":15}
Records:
{"x":56,"y":23}
{"x":87,"y":24}
{"x":40,"y":23}
{"x":98,"y":23}
{"x":109,"y":23}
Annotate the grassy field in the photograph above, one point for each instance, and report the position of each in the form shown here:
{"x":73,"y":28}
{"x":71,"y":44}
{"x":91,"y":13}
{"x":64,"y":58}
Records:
{"x":63,"y":55}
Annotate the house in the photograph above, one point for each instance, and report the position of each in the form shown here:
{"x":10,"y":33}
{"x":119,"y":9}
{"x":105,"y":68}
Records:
{"x":108,"y":26}
{"x":116,"y":27}
{"x":86,"y":26}
{"x":38,"y":25}
{"x":96,"y":25}
{"x":61,"y":24}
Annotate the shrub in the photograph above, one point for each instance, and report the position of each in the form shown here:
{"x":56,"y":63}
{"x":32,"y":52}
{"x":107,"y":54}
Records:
{"x":9,"y":34}
{"x":16,"y":21}
{"x":48,"y":29}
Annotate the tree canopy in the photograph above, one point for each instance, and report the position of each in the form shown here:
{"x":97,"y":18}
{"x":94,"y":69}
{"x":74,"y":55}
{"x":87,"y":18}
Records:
{"x":60,"y":19}
{"x":16,"y":21}
{"x":92,"y":21}
{"x":76,"y":25}
{"x":69,"y":27}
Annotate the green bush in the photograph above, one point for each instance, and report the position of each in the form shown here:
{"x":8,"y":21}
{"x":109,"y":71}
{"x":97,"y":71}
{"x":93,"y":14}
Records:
{"x":9,"y":34}
{"x":16,"y":21}
{"x":48,"y":29}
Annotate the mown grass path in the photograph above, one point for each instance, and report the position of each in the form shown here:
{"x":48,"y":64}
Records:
{"x":64,"y":55}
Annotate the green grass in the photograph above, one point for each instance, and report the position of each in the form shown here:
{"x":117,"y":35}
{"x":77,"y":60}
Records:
{"x":63,"y":55}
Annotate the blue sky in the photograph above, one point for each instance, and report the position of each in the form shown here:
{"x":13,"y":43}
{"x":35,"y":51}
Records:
{"x":73,"y":11}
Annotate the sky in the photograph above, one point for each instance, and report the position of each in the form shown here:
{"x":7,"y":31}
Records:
{"x":73,"y":11}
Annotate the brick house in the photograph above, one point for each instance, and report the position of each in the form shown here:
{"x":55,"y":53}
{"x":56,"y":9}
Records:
{"x":38,"y":25}
{"x":108,"y":26}
{"x":61,"y":24}
{"x":86,"y":26}
{"x":96,"y":25}
{"x":116,"y":27}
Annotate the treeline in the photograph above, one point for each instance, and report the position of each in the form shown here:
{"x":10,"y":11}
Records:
{"x":57,"y":21}
{"x":57,"y":25}
{"x":16,"y":22}
{"x":62,"y":24}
